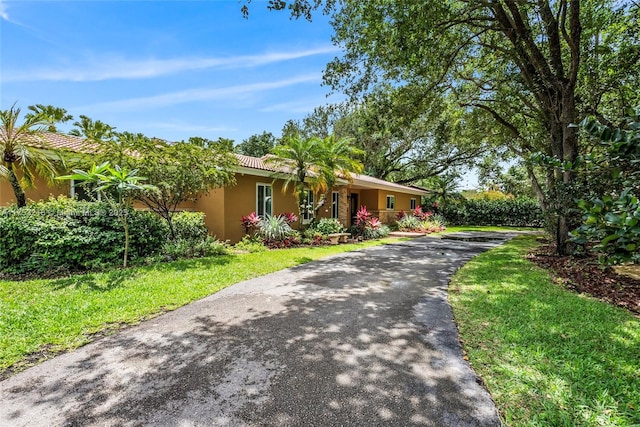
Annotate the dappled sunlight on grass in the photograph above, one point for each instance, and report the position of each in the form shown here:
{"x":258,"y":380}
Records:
{"x":59,"y":314}
{"x":549,"y":356}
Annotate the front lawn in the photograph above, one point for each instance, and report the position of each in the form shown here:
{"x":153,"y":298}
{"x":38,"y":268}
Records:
{"x":548,"y":356}
{"x":39,"y":318}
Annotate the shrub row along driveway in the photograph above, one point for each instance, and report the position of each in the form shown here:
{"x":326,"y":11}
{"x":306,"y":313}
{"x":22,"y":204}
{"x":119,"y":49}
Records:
{"x":362,"y":338}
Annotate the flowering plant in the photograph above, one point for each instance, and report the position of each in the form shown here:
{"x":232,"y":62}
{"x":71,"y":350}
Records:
{"x":289,"y":217}
{"x":251,"y":222}
{"x":418,"y":213}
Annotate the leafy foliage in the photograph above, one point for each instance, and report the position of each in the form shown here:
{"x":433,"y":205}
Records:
{"x":116,"y":186}
{"x":190,"y":226}
{"x":408,"y":223}
{"x":250,"y":244}
{"x":517,"y":73}
{"x":182,"y":248}
{"x":250,"y":223}
{"x":367,"y":226}
{"x":611,"y":220}
{"x":18,"y":146}
{"x":275,"y":229}
{"x":503,"y":212}
{"x":180,"y":171}
{"x":328,"y":226}
{"x":257,"y":145}
{"x":69,"y":235}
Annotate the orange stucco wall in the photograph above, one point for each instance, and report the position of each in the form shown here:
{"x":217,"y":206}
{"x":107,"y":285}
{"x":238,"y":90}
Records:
{"x":43,"y":189}
{"x":224,"y":208}
{"x":376,"y":203}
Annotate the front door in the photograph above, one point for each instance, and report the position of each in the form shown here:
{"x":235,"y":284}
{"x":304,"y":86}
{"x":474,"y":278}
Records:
{"x":353,"y":207}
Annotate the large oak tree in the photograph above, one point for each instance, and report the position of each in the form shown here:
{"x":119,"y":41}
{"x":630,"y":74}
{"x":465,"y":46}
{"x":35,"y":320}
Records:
{"x":531,"y":69}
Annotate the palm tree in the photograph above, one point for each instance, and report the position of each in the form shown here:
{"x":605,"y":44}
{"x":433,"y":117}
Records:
{"x":17,"y":147}
{"x":298,"y":162}
{"x":340,"y":159}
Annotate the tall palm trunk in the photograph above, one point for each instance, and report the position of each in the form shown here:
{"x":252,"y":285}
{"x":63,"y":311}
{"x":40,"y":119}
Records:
{"x":21,"y":198}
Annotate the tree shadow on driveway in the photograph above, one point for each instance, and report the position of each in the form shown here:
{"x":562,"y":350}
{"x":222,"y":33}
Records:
{"x":362,"y":339}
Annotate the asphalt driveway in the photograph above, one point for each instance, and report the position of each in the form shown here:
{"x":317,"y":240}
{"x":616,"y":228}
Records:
{"x":360,"y":339}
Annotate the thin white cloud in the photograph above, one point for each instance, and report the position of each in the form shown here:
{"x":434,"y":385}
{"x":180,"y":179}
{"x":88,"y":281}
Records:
{"x":111,"y":68}
{"x":3,"y":11}
{"x":299,"y":106}
{"x":200,"y":94}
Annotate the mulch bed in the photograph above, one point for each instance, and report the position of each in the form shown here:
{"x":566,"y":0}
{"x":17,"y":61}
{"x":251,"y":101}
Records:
{"x":584,"y":275}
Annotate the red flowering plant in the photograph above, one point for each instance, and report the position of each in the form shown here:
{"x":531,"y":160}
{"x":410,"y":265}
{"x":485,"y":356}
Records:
{"x":289,"y":217}
{"x":251,"y":223}
{"x":374,"y":223}
{"x":401,"y":214}
{"x":366,"y":224}
{"x":418,"y":213}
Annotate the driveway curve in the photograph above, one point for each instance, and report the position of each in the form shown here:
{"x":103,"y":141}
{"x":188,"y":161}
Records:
{"x":365,"y":338}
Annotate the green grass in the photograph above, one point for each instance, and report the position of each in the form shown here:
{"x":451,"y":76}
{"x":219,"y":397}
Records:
{"x":55,"y":315}
{"x":548,"y":356}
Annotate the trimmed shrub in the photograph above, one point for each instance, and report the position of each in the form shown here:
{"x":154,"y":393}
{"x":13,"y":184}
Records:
{"x":504,"y":212}
{"x":68,"y":235}
{"x":328,"y":226}
{"x":190,"y":226}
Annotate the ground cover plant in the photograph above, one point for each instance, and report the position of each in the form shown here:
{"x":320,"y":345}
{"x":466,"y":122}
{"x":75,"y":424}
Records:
{"x":39,"y":318}
{"x":548,"y":356}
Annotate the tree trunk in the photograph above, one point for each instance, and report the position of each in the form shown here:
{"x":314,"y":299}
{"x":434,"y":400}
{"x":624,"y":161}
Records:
{"x":21,"y":198}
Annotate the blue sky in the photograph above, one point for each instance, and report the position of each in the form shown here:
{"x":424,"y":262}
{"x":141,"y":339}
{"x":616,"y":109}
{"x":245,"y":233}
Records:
{"x":168,"y":69}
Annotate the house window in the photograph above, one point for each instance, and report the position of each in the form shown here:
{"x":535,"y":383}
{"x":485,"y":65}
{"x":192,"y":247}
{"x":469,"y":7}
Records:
{"x":264,"y":199}
{"x":413,"y":204}
{"x":308,"y":205}
{"x":335,"y":196}
{"x":82,"y":191}
{"x":391,"y":202}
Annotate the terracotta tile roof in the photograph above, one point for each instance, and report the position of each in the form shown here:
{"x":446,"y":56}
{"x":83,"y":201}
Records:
{"x":359,"y":180}
{"x":253,"y":162}
{"x":58,"y":141}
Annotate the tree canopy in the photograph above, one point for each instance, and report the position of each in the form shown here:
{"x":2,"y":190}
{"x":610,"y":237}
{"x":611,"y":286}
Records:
{"x":528,"y":71}
{"x":257,"y":145}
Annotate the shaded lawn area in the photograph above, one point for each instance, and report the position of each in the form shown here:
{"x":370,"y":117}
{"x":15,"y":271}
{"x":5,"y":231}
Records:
{"x":549,"y":357}
{"x":40,"y":318}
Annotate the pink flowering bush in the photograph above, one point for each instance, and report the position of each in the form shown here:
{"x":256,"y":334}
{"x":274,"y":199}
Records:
{"x":289,"y":217}
{"x":368,"y":226}
{"x":251,"y":223}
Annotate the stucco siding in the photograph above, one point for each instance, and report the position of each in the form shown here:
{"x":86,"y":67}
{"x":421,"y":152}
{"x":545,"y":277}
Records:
{"x":42,"y":191}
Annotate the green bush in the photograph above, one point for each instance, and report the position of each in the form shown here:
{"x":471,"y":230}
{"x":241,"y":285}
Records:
{"x":328,"y":226}
{"x":182,"y":248}
{"x":506,"y":212}
{"x":408,"y":223}
{"x":250,"y":244}
{"x":378,"y":232}
{"x":69,"y":235}
{"x":190,"y":226}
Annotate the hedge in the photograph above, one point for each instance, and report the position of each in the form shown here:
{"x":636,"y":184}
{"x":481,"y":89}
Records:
{"x":507,"y":212}
{"x":73,"y":235}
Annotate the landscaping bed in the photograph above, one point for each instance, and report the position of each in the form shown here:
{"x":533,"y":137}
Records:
{"x":585,"y":275}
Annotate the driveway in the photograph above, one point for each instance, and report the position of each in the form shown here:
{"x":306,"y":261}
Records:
{"x":360,"y":339}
